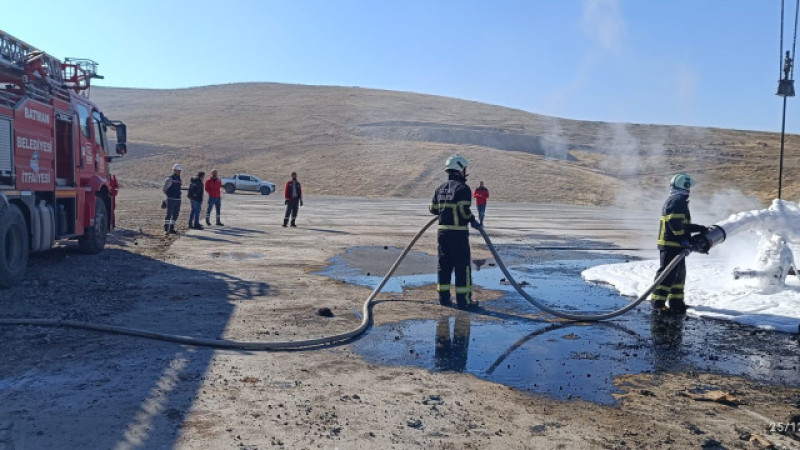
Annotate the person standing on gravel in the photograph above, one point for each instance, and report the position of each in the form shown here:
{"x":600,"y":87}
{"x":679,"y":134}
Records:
{"x":674,"y":236}
{"x":451,"y":203}
{"x":196,"y":198}
{"x":214,"y":190}
{"x":172,"y":189}
{"x":481,"y":195}
{"x":293,"y":199}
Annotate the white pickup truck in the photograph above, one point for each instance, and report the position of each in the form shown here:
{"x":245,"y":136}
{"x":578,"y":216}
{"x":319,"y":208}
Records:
{"x":245,"y":182}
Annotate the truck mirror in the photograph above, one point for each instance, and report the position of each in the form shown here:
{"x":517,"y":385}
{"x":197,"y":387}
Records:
{"x":121,"y":149}
{"x":121,"y":132}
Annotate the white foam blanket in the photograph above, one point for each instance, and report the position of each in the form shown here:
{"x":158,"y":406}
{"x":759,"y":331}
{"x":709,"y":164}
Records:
{"x":711,"y":290}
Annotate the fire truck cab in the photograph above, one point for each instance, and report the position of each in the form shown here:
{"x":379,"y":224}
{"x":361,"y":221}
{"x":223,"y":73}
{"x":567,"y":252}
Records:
{"x":55,"y":182}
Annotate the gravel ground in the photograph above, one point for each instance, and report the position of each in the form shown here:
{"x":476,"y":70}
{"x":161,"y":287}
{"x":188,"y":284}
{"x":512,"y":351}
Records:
{"x":253,"y":280}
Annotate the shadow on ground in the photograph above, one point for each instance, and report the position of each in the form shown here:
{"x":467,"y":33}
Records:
{"x":62,"y":388}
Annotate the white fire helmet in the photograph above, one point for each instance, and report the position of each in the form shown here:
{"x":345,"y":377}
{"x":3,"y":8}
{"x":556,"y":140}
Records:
{"x":682,"y":181}
{"x":456,"y":162}
{"x":177,"y":167}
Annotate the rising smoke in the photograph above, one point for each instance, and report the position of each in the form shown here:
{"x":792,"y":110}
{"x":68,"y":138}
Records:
{"x":602,"y":21}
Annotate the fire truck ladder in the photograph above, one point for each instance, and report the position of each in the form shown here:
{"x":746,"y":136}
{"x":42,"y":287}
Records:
{"x":19,"y":58}
{"x":37,"y":69}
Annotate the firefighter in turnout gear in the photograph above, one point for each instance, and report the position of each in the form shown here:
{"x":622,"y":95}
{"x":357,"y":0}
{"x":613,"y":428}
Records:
{"x":674,"y":236}
{"x":451,"y":202}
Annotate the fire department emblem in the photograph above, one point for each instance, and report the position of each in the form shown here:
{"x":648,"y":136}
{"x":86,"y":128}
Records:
{"x":35,"y":162}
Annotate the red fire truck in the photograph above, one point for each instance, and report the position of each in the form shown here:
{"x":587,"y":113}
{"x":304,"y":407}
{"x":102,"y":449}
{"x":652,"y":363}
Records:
{"x":54,"y":157}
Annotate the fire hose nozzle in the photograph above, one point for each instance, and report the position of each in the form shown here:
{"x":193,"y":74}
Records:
{"x":703,"y":242}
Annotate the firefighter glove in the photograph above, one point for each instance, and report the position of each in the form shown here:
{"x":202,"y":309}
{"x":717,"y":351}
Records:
{"x":686,"y":244}
{"x":474,"y":223}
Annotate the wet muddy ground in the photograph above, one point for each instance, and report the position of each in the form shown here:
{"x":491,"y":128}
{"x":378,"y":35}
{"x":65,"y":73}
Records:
{"x":394,"y":388}
{"x":505,"y":342}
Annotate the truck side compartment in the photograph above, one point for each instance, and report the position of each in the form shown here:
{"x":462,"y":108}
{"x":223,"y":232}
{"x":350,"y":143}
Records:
{"x":55,"y":182}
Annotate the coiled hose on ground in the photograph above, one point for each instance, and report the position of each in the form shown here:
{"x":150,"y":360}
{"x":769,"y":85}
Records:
{"x":342,"y":337}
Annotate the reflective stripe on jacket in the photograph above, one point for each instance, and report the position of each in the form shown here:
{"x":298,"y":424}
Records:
{"x":676,"y":222}
{"x":451,"y":203}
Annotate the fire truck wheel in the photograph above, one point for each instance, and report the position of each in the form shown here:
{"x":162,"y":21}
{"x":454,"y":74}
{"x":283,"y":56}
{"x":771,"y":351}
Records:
{"x":94,"y":239}
{"x":13,"y":246}
{"x":230,"y":188}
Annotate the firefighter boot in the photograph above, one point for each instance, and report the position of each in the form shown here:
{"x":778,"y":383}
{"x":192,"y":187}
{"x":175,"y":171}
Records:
{"x":285,"y":221}
{"x":444,"y":298}
{"x":208,"y":221}
{"x":465,"y":301}
{"x":166,"y":229}
{"x":220,"y":223}
{"x":172,"y":230}
{"x":677,"y":306}
{"x":292,"y":224}
{"x":659,"y":306}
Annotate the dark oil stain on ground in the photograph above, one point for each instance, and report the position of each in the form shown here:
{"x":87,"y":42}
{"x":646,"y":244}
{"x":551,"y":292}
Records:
{"x":236,"y":256}
{"x":570,"y":360}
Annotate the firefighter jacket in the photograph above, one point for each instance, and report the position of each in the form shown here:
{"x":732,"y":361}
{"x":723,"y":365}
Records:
{"x":195,"y":190}
{"x":676,"y":222}
{"x":293,"y":191}
{"x":451,"y":203}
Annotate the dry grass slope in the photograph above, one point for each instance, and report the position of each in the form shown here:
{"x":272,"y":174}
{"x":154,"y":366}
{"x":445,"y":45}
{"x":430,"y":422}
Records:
{"x":364,"y":142}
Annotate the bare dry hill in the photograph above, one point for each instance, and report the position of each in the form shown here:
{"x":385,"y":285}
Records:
{"x":365,"y":142}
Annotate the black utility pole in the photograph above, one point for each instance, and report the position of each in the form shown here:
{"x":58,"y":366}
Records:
{"x":785,"y":89}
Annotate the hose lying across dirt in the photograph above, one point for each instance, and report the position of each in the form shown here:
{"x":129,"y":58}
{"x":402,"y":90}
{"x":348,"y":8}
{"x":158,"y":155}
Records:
{"x":342,"y":337}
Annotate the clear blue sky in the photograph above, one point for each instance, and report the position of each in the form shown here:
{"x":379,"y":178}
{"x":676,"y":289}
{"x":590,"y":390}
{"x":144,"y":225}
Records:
{"x":688,"y":62}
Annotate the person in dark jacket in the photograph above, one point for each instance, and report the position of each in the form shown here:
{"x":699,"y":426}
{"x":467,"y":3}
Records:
{"x":451,"y":202}
{"x":293,"y":199}
{"x":673,"y":237}
{"x":196,"y":198}
{"x":214,"y":188}
{"x":172,"y":189}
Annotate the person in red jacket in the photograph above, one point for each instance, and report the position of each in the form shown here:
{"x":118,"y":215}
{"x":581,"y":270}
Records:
{"x":213,"y":186}
{"x":481,"y":195}
{"x":293,"y":199}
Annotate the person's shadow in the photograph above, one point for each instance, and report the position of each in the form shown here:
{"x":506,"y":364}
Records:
{"x":452,"y":349}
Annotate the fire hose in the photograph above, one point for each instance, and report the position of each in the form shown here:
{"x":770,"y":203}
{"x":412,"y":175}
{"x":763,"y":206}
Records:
{"x":701,"y":243}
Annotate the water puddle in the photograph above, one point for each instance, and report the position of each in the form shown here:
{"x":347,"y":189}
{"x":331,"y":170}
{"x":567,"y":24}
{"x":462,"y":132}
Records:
{"x":565,"y":360}
{"x":236,"y":256}
{"x":549,"y":280}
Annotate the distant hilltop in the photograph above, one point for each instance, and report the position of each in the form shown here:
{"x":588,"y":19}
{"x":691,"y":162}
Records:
{"x":376,"y":143}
